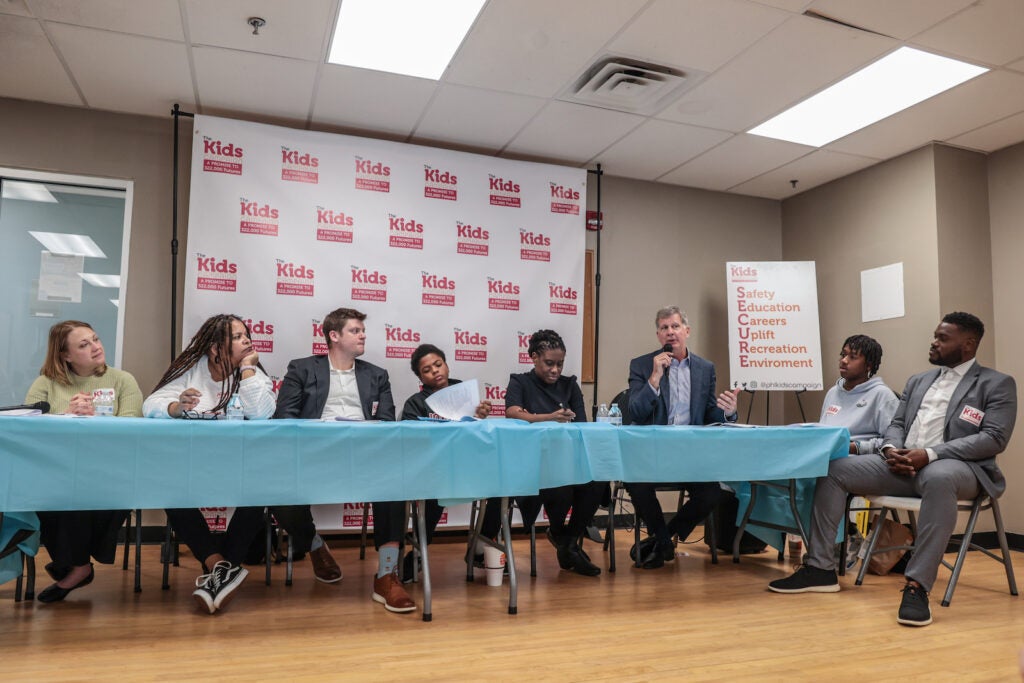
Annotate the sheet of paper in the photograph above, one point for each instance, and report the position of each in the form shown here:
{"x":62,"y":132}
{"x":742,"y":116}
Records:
{"x":881,"y":293}
{"x":456,"y":401}
{"x":58,"y":277}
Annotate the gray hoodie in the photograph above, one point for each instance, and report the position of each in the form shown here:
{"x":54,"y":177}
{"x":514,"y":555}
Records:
{"x":866,"y":410}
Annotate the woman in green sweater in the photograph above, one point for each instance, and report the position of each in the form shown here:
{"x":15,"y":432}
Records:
{"x":74,"y":373}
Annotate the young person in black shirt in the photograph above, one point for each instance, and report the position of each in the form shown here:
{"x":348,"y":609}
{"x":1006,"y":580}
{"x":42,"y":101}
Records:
{"x":544,"y":395}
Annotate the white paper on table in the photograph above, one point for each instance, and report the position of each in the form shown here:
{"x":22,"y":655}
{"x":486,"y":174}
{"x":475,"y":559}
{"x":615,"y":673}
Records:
{"x":58,"y":277}
{"x":456,"y":401}
{"x":20,"y":412}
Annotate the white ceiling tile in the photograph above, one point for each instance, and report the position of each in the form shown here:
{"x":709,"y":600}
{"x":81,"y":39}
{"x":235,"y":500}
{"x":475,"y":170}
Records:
{"x":256,"y":83}
{"x":297,"y":28}
{"x":478,"y":118}
{"x":989,"y":32}
{"x":810,"y":171}
{"x":17,"y":7}
{"x":536,"y":47}
{"x":31,"y":70}
{"x":125,"y":73}
{"x":788,"y":5}
{"x":657,"y":147}
{"x":1016,"y":66}
{"x":572,"y":132}
{"x":371,"y":100}
{"x":735,"y":161}
{"x":900,"y":19}
{"x":971,"y":105}
{"x":682,"y":33}
{"x":994,"y":136}
{"x":776,"y":73}
{"x":154,"y":18}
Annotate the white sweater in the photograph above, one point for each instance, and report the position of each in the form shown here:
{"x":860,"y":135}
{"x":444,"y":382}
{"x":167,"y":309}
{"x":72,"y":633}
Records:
{"x":256,"y":393}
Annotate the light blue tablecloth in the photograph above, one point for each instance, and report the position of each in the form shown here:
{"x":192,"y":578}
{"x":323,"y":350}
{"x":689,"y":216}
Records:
{"x":51,"y":463}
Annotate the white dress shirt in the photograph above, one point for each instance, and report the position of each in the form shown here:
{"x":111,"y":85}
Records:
{"x":926,"y":431}
{"x":343,"y":397}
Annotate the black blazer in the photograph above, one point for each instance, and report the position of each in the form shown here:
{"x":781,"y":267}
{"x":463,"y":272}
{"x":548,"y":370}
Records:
{"x":648,"y":408}
{"x":307,"y":383}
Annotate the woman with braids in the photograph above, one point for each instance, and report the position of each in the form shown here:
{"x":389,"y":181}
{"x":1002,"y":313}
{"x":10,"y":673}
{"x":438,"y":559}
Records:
{"x":218,"y":362}
{"x":74,"y":372}
{"x":860,"y":400}
{"x":544,"y":395}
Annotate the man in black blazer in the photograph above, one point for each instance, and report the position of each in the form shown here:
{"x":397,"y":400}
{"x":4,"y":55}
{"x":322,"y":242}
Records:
{"x":941,"y":446}
{"x":341,"y":385}
{"x":673,"y":386}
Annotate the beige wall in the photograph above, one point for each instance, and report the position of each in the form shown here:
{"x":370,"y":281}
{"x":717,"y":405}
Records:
{"x":665,"y":245}
{"x":1006,"y":208}
{"x":62,"y":139}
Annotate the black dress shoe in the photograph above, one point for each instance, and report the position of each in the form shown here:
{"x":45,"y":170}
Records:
{"x":56,"y":571}
{"x":658,"y":554}
{"x":578,"y":562}
{"x":643,"y":547}
{"x":55,"y":593}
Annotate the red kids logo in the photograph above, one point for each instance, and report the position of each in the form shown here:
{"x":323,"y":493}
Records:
{"x":470,"y":346}
{"x":262,"y":334}
{"x":333,"y":226}
{"x":471,"y":239}
{"x":221,"y":157}
{"x":404,"y":233}
{"x":502,"y":295}
{"x":504,"y":192}
{"x":319,"y":345}
{"x":496,"y":395}
{"x":352,"y":516}
{"x":562,"y":299}
{"x":257,"y":218}
{"x":399,"y":342}
{"x":972,"y":415}
{"x":534,"y":246}
{"x":275,"y":384}
{"x":523,"y":344}
{"x":438,"y":184}
{"x":299,"y":167}
{"x":743,"y":273}
{"x":438,"y":290}
{"x":218,"y":275}
{"x":294,"y":280}
{"x":372,"y":175}
{"x":564,"y":200}
{"x":369,"y":285}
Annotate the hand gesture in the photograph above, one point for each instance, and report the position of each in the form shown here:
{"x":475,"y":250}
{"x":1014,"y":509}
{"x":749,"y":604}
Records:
{"x":81,"y":404}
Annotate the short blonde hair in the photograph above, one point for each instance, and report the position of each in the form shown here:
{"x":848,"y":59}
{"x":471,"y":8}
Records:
{"x":668,"y":312}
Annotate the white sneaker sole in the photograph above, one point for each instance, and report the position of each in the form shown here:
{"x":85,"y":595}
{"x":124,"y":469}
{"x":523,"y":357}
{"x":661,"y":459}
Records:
{"x":832,"y":588}
{"x":908,"y":622}
{"x":399,"y":610}
{"x":202,"y":599}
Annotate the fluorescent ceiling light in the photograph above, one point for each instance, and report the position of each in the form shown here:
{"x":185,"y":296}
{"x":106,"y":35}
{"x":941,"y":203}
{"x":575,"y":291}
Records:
{"x":117,"y":304}
{"x":897,"y":81}
{"x":68,"y":245}
{"x":97,"y":280}
{"x":409,"y":37}
{"x":32,"y":192}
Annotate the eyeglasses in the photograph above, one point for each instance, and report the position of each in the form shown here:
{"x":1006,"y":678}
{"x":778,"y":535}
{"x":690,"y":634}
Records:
{"x":196,"y":415}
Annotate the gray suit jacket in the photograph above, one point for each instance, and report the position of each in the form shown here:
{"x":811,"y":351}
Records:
{"x":982,"y":389}
{"x":307,"y":383}
{"x":648,"y":408}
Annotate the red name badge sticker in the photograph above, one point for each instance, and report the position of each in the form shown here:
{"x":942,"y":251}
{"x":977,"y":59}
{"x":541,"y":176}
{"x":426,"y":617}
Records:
{"x":833,"y":410}
{"x":972,"y":415}
{"x":373,"y":409}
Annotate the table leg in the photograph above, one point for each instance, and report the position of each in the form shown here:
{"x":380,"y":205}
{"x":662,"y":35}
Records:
{"x":421,"y":524}
{"x":506,"y":534}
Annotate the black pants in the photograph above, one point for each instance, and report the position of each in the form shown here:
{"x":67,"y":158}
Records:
{"x":583,"y":499}
{"x":703,"y":498}
{"x":297,"y":520}
{"x":192,"y":529}
{"x":72,"y":538}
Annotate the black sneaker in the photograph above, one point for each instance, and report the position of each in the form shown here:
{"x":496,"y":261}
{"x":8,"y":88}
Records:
{"x":807,"y":579}
{"x":214,"y":589}
{"x":914,"y":610}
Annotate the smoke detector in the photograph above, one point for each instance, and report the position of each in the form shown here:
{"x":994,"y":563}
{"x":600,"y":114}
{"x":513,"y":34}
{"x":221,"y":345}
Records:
{"x":630,"y":85}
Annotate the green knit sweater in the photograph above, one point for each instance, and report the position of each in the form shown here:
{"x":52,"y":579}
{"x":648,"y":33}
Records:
{"x":127,"y":397}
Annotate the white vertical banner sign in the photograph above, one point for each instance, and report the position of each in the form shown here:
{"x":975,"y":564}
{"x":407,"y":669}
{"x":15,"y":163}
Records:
{"x":774,"y":337}
{"x":466,"y":252}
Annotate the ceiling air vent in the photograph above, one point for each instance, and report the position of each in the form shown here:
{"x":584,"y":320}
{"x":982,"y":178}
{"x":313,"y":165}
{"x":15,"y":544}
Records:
{"x":629,"y":85}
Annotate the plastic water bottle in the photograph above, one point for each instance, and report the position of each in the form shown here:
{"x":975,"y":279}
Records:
{"x":602,"y":413}
{"x":615,"y":415}
{"x":235,"y":411}
{"x":103,"y":403}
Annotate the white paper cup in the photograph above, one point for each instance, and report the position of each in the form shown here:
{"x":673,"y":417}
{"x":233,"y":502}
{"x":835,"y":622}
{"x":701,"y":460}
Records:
{"x":494,"y":565}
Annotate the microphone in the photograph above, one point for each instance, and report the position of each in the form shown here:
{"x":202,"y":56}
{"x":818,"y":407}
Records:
{"x":667,"y":348}
{"x":41,"y":406}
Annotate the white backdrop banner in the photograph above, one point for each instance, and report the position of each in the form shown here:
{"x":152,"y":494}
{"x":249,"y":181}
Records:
{"x":774,"y":338}
{"x":466,"y":252}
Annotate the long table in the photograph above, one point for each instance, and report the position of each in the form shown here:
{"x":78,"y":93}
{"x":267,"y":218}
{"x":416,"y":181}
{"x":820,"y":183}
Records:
{"x":62,"y":463}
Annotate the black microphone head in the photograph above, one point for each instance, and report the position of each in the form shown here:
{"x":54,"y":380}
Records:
{"x":41,"y":406}
{"x":667,"y":348}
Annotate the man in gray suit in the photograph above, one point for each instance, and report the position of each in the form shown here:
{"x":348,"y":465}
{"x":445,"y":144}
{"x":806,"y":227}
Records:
{"x":673,"y":386}
{"x":942,"y":445}
{"x":341,"y":385}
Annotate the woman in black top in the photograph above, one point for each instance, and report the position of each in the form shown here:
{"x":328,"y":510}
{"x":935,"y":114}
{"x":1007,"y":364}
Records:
{"x":544,"y":395}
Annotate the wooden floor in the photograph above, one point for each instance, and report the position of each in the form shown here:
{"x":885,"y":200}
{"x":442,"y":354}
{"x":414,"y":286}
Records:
{"x":689,"y":621}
